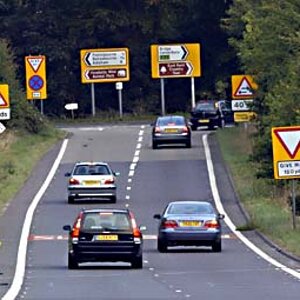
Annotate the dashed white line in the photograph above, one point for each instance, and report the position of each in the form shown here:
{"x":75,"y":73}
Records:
{"x":139,"y":146}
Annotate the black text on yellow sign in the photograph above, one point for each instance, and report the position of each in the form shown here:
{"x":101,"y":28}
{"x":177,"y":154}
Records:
{"x":36,"y":85}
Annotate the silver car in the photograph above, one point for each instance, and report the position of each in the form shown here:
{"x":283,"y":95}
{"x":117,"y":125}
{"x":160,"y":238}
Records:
{"x":189,"y":223}
{"x":90,"y":180}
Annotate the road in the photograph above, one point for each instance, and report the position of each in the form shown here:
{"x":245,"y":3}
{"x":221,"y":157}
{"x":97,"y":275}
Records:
{"x":149,"y":180}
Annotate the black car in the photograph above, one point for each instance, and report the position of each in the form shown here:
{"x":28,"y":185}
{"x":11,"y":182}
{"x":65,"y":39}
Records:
{"x":211,"y":113}
{"x":171,"y":129}
{"x":189,"y":223}
{"x":105,"y":235}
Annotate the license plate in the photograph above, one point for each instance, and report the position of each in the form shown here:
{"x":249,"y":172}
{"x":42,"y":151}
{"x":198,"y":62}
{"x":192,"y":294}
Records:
{"x":190,"y":223}
{"x":171,"y":130}
{"x":91,"y":182}
{"x":107,"y":237}
{"x":204,"y":121}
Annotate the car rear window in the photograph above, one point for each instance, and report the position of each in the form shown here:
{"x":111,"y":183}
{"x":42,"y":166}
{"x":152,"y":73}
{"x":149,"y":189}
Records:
{"x":170,"y":121}
{"x":190,"y":209}
{"x":210,"y":106}
{"x":91,"y":170}
{"x":117,"y":221}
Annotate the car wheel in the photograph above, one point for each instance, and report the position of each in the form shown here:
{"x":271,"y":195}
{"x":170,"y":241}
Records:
{"x":137,"y":262}
{"x":161,"y":246}
{"x":211,"y":127}
{"x":189,"y":144}
{"x":194,"y":128}
{"x":70,"y":200}
{"x":113,"y":199}
{"x":72,"y":262}
{"x":154,"y":145}
{"x":217,"y":246}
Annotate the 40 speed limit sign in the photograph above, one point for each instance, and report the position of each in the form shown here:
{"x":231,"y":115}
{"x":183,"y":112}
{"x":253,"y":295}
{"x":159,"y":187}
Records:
{"x":241,"y":105}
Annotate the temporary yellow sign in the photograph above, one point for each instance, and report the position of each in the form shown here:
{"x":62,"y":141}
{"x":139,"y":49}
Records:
{"x":104,"y":65}
{"x":243,"y":87}
{"x":36,"y":85}
{"x":286,"y":152}
{"x":172,"y":61}
{"x":4,"y":102}
{"x":245,"y":116}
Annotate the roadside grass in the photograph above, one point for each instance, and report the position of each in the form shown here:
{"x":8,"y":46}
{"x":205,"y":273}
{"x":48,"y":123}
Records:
{"x":266,"y":204}
{"x":19,"y":154}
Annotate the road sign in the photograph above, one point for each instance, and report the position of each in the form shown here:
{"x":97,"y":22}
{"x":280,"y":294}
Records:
{"x":36,"y":86}
{"x":172,"y":61}
{"x":286,"y":152}
{"x":104,"y":65}
{"x":241,"y":105}
{"x":245,"y":116}
{"x":2,"y":128}
{"x":4,"y":102}
{"x":243,"y":87}
{"x":71,"y":106}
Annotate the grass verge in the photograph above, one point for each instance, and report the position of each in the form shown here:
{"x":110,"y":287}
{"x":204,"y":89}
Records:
{"x":266,"y":203}
{"x":19,"y":154}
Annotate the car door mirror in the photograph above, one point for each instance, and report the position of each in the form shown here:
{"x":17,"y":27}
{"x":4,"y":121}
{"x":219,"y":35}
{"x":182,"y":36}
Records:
{"x":68,"y":174}
{"x":67,"y":228}
{"x":157,"y":216}
{"x":117,"y":173}
{"x":142,"y":228}
{"x":221,"y":216}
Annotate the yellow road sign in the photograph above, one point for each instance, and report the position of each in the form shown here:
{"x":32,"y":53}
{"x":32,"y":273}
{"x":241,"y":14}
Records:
{"x":243,"y":87}
{"x":36,"y":85}
{"x":104,"y":65}
{"x":4,"y":102}
{"x":245,"y":116}
{"x":286,"y":152}
{"x":173,"y":61}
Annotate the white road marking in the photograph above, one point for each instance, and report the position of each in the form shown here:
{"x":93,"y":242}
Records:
{"x":132,"y":166}
{"x":18,"y":279}
{"x":137,"y":152}
{"x":128,"y":188}
{"x":131,"y":173}
{"x":219,"y":205}
{"x":140,"y":139}
{"x":90,"y":129}
{"x":127,"y":197}
{"x":139,"y":146}
{"x":129,"y":180}
{"x":135,"y":159}
{"x":141,"y":132}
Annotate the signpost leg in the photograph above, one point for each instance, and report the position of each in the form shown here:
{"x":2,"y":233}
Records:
{"x":294,"y":203}
{"x":42,"y":107}
{"x":193,"y":92}
{"x":93,"y":99}
{"x":162,"y":89}
{"x":120,"y":104}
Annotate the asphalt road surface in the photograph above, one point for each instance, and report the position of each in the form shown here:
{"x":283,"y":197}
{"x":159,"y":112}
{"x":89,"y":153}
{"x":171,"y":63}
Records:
{"x":149,"y":180}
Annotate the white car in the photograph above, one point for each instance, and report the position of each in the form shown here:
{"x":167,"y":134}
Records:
{"x":90,"y":180}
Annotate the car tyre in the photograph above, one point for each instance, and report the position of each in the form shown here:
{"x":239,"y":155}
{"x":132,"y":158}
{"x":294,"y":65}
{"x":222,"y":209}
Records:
{"x":137,"y":262}
{"x":162,"y":246}
{"x":154,"y":145}
{"x":70,"y":200}
{"x":194,"y":128}
{"x":113,"y":199}
{"x":72,"y":262}
{"x":217,"y":246}
{"x":189,"y":144}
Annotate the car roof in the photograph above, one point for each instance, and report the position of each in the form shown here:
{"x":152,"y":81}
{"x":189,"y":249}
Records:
{"x":91,"y":163}
{"x":98,"y":210}
{"x":190,"y":202}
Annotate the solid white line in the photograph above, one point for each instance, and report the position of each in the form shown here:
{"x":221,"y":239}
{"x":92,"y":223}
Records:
{"x":216,"y":196}
{"x":16,"y":285}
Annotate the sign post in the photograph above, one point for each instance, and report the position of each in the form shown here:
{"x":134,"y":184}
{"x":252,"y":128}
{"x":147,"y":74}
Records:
{"x":175,"y":61}
{"x":104,"y":65}
{"x":36,"y":85}
{"x":119,"y":87}
{"x":286,"y":157}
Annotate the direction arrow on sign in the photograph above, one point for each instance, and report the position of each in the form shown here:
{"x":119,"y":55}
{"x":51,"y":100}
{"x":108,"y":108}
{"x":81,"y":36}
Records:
{"x":2,"y":128}
{"x":289,"y":139}
{"x":172,"y":53}
{"x":105,"y":58}
{"x":175,"y":69}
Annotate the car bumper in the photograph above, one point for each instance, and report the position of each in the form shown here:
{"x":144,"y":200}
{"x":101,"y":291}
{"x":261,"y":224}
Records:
{"x":92,"y":192}
{"x":174,"y":139}
{"x":197,"y":122}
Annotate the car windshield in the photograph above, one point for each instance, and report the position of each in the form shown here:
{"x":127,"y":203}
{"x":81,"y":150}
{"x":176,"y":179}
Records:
{"x":117,"y":221}
{"x":207,"y":105}
{"x":91,"y":170}
{"x":190,"y":208}
{"x":167,"y":121}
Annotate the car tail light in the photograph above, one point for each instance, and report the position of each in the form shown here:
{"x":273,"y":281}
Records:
{"x":212,"y":224}
{"x":185,"y":129}
{"x":136,"y":231}
{"x":109,"y":181}
{"x":169,"y":224}
{"x":73,"y":181}
{"x":76,"y":227}
{"x":157,"y":129}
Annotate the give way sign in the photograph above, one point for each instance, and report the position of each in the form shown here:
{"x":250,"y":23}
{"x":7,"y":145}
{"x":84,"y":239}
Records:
{"x":286,"y":152}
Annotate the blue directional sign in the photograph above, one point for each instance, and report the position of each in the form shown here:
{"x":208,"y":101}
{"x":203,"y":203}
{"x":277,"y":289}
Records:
{"x":36,"y":82}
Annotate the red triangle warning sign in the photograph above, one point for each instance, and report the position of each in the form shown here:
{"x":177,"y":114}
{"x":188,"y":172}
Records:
{"x":289,"y":139}
{"x":244,"y":90}
{"x":35,"y":63}
{"x":3,"y":102}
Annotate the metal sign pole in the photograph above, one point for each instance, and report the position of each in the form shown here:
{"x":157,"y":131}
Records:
{"x":42,"y":107}
{"x":93,"y":99}
{"x":162,"y":89}
{"x":193,"y":92}
{"x":120,"y":104}
{"x":294,"y":203}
